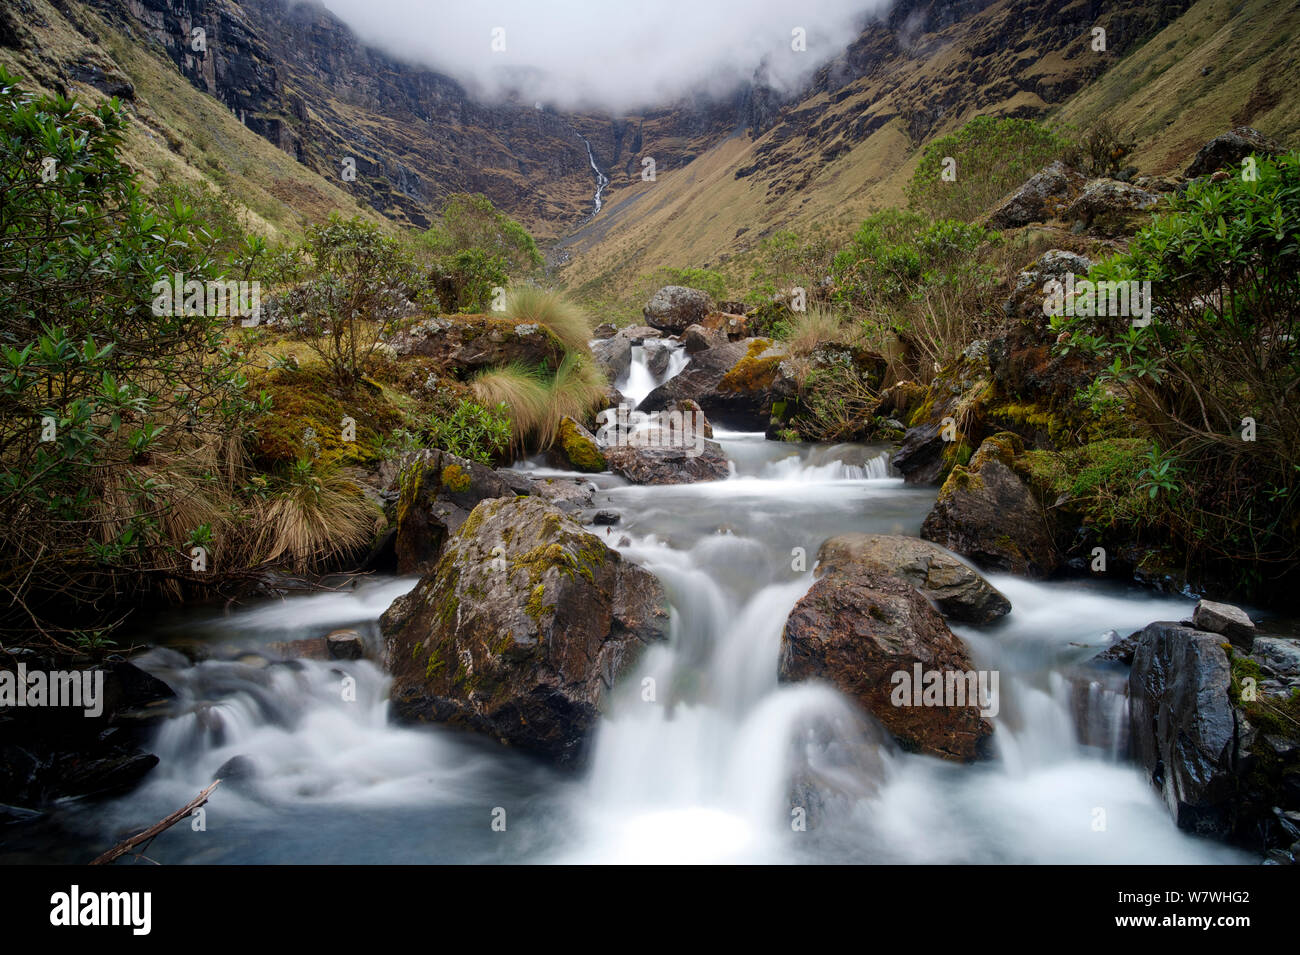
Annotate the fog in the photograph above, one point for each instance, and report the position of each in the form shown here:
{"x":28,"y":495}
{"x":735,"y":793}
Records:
{"x":612,"y":55}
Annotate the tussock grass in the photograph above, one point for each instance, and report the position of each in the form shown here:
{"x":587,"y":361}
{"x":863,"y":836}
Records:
{"x":816,"y":325}
{"x":563,"y":317}
{"x":575,"y":390}
{"x":523,"y":390}
{"x":313,"y":515}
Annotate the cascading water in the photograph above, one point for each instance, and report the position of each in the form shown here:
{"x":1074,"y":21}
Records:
{"x":602,"y":180}
{"x":702,"y":756}
{"x":641,"y":379}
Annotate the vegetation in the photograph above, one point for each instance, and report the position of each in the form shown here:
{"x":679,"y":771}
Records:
{"x":1216,"y":374}
{"x":963,"y":175}
{"x":474,"y":249}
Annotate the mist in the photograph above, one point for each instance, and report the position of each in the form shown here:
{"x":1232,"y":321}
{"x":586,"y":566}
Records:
{"x":576,"y":54}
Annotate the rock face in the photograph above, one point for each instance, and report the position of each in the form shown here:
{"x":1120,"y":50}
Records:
{"x":859,"y":629}
{"x":674,"y":307}
{"x":521,"y":630}
{"x":1230,"y":149}
{"x":437,"y":492}
{"x":986,"y":512}
{"x":1043,"y":196}
{"x":469,"y":343}
{"x":959,"y":592}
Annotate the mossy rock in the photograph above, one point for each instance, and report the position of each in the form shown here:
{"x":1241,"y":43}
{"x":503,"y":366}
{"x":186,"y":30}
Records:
{"x":579,"y":448}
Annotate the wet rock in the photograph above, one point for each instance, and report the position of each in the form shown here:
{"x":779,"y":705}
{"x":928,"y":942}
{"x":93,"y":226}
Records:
{"x":1182,"y":723}
{"x":658,"y":354}
{"x":702,"y":381}
{"x":606,"y":518}
{"x":1121,"y":650}
{"x":1229,"y":149}
{"x":604,"y":330}
{"x":614,"y":353}
{"x":438,"y":491}
{"x":958,"y":591}
{"x":1233,"y":622}
{"x":522,"y":629}
{"x":671,"y":463}
{"x":570,"y":495}
{"x":1043,"y":196}
{"x":309,"y":648}
{"x":697,"y":338}
{"x":576,"y":448}
{"x":863,"y":631}
{"x":236,"y":769}
{"x":345,"y":645}
{"x":674,"y":307}
{"x":986,"y":512}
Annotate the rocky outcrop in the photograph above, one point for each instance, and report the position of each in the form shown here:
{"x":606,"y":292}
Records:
{"x":468,"y":343}
{"x":437,"y":492}
{"x":986,"y":511}
{"x":873,"y":635}
{"x":1110,"y":207}
{"x":675,"y":307}
{"x":729,"y":380}
{"x":1229,"y":149}
{"x":521,"y":631}
{"x":1044,"y":196}
{"x":958,"y":591}
{"x":947,"y":420}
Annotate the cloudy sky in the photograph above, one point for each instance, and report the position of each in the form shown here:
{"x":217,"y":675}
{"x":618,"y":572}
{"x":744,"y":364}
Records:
{"x":614,"y":54}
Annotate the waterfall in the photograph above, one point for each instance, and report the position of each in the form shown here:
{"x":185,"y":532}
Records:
{"x":601,"y":179}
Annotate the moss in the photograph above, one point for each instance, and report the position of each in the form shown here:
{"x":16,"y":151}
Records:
{"x":434,"y":664}
{"x":1102,"y":480}
{"x":922,"y":413}
{"x":1276,"y":716}
{"x":1039,"y":417}
{"x":535,"y":608}
{"x":455,"y":478}
{"x":752,"y":372}
{"x":579,"y":449}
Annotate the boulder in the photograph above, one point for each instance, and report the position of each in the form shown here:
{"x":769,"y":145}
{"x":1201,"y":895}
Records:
{"x":437,"y":492}
{"x":522,"y":629}
{"x":345,"y":645}
{"x":672,"y":462}
{"x":614,"y":353}
{"x":1110,"y":205}
{"x":576,"y":447}
{"x":674,"y":307}
{"x":1233,"y":622}
{"x":958,"y":591}
{"x":986,"y":512}
{"x":1043,"y":196}
{"x":469,"y":343}
{"x":1183,"y":729}
{"x":1229,"y":149}
{"x":867,"y":632}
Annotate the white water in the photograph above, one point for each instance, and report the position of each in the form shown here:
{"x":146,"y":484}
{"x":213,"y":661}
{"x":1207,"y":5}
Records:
{"x":712,"y":767}
{"x":602,"y":181}
{"x":640,"y":380}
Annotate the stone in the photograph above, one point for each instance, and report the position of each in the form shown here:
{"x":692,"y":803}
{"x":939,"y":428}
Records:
{"x":437,"y":492}
{"x":1229,"y":149}
{"x":1233,"y":622}
{"x":959,"y":592}
{"x":674,"y":307}
{"x":522,"y":630}
{"x":1042,"y":197}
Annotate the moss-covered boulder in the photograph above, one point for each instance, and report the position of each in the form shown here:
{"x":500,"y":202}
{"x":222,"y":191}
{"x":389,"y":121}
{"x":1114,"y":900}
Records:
{"x":949,"y":422}
{"x":988,"y":513}
{"x":521,"y":630}
{"x":575,"y":447}
{"x":437,"y":491}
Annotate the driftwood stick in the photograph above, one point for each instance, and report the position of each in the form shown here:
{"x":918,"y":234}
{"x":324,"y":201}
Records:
{"x":122,"y":848}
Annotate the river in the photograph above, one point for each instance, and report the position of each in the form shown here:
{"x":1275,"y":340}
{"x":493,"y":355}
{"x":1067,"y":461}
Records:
{"x":722,"y":764}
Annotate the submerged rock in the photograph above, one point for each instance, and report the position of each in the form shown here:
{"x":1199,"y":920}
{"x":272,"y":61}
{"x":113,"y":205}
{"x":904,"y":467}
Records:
{"x":868,"y":632}
{"x":986,"y":512}
{"x":522,"y":629}
{"x":958,"y":591}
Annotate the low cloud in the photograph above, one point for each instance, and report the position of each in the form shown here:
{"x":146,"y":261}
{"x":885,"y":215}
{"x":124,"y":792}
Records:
{"x":609,"y":55}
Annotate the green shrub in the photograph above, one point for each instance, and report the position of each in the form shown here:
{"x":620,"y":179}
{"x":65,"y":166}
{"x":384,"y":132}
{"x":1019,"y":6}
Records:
{"x":993,"y":156}
{"x":473,"y":249}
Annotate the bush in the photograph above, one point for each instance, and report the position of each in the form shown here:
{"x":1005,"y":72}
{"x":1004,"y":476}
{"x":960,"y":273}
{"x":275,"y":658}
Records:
{"x":120,"y":430}
{"x":473,"y":249}
{"x":993,"y":156}
{"x":356,"y":293}
{"x":1222,"y":353}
